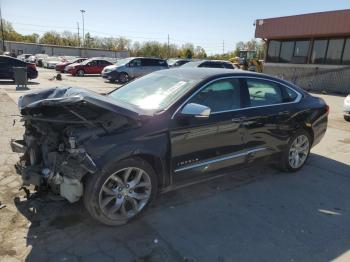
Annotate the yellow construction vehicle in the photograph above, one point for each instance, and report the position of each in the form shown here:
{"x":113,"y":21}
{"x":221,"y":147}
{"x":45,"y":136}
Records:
{"x":247,"y":60}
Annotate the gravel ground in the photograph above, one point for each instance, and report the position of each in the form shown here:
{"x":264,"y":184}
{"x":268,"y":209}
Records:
{"x":256,"y":214}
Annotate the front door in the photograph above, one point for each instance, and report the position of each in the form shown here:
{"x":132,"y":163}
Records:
{"x":201,"y":146}
{"x":135,"y":68}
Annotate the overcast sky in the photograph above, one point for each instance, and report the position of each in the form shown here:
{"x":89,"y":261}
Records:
{"x":202,"y":22}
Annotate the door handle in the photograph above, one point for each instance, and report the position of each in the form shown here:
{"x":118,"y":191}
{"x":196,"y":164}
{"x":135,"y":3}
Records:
{"x":238,"y":119}
{"x":284,"y":113}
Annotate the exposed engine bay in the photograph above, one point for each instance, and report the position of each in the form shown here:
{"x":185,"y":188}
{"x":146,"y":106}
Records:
{"x":58,"y":122}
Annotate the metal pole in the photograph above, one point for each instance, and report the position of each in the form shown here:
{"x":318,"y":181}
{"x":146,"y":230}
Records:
{"x":223,"y":47}
{"x":82,"y":15}
{"x":2,"y":32}
{"x":78,"y":34}
{"x":168,"y":46}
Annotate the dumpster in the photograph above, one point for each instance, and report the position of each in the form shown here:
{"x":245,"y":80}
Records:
{"x":20,"y":76}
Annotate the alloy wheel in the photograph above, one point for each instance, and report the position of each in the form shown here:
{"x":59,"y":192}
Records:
{"x":124,"y":78}
{"x":299,"y":151}
{"x":125,"y":193}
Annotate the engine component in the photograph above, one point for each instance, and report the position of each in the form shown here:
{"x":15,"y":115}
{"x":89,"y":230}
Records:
{"x":71,"y":189}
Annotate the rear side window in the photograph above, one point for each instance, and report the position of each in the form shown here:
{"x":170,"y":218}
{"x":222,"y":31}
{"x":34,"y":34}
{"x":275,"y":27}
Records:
{"x":162,"y":63}
{"x":154,"y":62}
{"x":263,"y":92}
{"x":228,"y":65}
{"x":222,"y":95}
{"x":8,"y":61}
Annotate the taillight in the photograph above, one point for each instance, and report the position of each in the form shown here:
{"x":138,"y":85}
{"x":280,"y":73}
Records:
{"x":327,"y":109}
{"x":32,"y":66}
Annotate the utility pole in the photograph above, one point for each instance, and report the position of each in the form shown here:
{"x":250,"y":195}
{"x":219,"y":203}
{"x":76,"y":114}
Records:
{"x":168,"y":47}
{"x":82,"y":15}
{"x":2,"y":32}
{"x":223,"y":47}
{"x":78,"y":34}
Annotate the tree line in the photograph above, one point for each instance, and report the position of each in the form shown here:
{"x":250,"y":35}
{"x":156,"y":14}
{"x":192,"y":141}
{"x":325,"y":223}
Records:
{"x":136,"y":48}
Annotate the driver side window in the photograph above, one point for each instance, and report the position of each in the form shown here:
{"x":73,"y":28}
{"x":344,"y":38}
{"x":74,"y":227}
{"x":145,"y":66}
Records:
{"x":222,"y":95}
{"x":135,"y":63}
{"x":92,"y":63}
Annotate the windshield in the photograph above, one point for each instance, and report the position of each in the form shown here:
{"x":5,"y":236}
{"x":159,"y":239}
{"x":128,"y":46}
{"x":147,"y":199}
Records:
{"x":122,"y":62}
{"x":86,"y":61}
{"x":154,"y":91}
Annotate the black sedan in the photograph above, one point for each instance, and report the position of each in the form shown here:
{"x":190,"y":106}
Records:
{"x":8,"y":63}
{"x":164,"y":130}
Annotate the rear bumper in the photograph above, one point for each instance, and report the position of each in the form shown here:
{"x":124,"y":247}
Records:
{"x":18,"y":146}
{"x":319,"y":128}
{"x":59,"y":69}
{"x":32,"y":74}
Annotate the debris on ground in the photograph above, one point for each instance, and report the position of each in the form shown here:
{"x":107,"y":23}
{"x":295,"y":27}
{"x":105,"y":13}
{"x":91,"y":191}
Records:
{"x":2,"y":205}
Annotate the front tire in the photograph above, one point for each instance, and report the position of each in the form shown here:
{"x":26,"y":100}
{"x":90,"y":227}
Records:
{"x":80,"y":73}
{"x":122,"y":192}
{"x":347,"y":118}
{"x":123,"y":78}
{"x":297,"y":152}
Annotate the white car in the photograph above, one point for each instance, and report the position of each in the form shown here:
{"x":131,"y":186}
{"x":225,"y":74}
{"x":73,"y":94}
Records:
{"x":346,"y":108}
{"x":51,"y":61}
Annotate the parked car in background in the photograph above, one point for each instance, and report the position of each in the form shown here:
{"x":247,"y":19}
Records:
{"x":346,"y":108}
{"x":51,"y":62}
{"x":23,"y":57}
{"x":89,"y":66}
{"x":62,"y":65}
{"x":7,"y":64}
{"x":40,"y":58}
{"x":162,"y":131}
{"x":133,"y":67}
{"x":210,"y":64}
{"x":31,"y":59}
{"x":175,"y":62}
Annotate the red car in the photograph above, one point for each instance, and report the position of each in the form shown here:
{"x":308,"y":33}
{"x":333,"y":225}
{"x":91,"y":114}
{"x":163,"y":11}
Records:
{"x":60,"y":66}
{"x":89,"y":66}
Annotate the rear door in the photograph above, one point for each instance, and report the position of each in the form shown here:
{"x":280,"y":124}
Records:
{"x":202,"y":146}
{"x":149,"y":65}
{"x":268,"y":117}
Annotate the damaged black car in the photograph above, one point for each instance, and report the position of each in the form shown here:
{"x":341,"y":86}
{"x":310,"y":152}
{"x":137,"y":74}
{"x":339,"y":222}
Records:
{"x":165,"y":130}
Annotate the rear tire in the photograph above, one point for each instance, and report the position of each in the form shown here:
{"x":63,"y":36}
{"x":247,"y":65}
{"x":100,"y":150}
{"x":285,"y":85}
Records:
{"x":347,"y":118}
{"x":120,"y":193}
{"x":297,"y":152}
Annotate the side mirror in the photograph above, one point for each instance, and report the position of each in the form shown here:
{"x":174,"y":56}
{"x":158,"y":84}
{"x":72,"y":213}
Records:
{"x":196,"y":110}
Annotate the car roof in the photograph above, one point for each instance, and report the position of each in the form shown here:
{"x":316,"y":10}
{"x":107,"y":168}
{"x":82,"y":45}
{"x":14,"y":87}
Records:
{"x":207,"y":73}
{"x":143,"y":57}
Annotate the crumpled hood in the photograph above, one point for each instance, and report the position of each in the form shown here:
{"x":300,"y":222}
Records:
{"x":61,"y":96}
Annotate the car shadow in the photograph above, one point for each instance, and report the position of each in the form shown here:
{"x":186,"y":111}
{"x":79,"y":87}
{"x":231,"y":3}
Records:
{"x":11,"y":82}
{"x":255,"y":214}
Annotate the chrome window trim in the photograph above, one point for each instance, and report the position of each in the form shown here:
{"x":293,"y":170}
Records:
{"x":297,"y":99}
{"x":219,"y":159}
